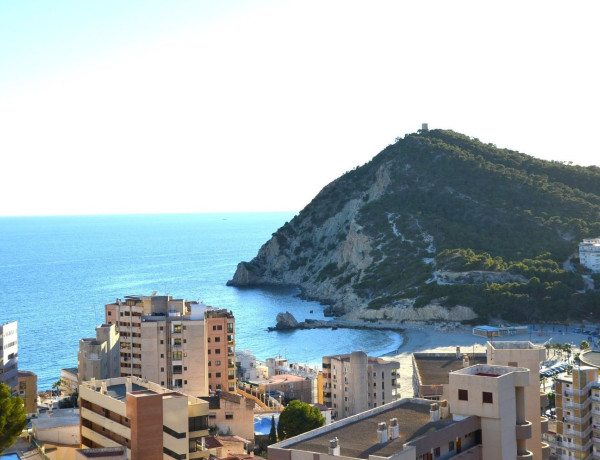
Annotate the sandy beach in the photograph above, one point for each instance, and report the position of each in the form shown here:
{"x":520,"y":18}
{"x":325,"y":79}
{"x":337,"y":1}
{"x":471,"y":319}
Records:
{"x":432,"y":339}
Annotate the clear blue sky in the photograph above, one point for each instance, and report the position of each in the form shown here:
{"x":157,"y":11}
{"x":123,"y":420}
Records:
{"x":191,"y":106}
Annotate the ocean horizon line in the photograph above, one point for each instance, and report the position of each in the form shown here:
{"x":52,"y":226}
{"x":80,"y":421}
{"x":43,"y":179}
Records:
{"x":118,"y":214}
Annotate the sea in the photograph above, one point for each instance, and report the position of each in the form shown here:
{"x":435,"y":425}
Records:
{"x":57,"y":273}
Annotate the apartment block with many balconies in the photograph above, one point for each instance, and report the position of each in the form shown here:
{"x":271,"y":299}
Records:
{"x":181,"y":345}
{"x":152,"y":422}
{"x":576,"y":395}
{"x":355,"y":382}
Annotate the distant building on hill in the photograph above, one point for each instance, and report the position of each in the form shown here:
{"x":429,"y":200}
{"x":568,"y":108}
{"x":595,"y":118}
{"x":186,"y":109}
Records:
{"x":355,"y":382}
{"x":589,"y":254}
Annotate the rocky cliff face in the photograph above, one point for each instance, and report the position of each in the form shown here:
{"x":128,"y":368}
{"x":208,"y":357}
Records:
{"x":373,"y":237}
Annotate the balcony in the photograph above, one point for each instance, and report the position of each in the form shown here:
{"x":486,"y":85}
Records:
{"x":524,"y":454}
{"x":523,"y":430}
{"x":545,"y":451}
{"x":544,"y":424}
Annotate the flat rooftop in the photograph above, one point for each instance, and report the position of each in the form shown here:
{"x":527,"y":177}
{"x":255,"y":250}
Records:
{"x":434,"y":368}
{"x":359,"y":439}
{"x":591,"y":358}
{"x":118,"y":391}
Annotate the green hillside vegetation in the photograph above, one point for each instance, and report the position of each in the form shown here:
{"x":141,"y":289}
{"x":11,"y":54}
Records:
{"x":455,"y":204}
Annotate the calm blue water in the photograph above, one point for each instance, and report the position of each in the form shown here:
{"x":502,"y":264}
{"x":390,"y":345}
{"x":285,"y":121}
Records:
{"x":16,"y":457}
{"x":57,"y":273}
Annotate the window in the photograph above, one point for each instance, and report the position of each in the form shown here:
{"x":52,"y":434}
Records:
{"x":209,"y":364}
{"x":208,"y":340}
{"x":161,"y":328}
{"x":513,"y":364}
{"x":162,"y":369}
{"x":229,"y":327}
{"x":162,"y":342}
{"x":217,"y":351}
{"x":110,"y":313}
{"x":217,"y":339}
{"x":218,"y":374}
{"x":176,"y":356}
{"x":228,"y":415}
{"x":162,"y":355}
{"x":217,"y":362}
{"x":463,"y":395}
{"x":177,"y":369}
{"x":451,"y":446}
{"x":488,"y":397}
{"x":436,"y":452}
{"x":198,"y":423}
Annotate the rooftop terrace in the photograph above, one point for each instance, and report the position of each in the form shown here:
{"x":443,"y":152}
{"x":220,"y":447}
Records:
{"x":358,"y":436}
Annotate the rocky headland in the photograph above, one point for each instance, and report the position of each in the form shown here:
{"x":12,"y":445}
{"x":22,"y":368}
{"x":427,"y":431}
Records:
{"x":440,"y":226}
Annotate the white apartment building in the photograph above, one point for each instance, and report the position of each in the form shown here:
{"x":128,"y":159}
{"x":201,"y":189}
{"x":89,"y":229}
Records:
{"x":9,"y":347}
{"x":355,"y":382}
{"x":589,"y":254}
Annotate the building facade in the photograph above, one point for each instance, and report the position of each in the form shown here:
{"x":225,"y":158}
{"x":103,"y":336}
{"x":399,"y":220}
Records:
{"x":589,"y":254}
{"x":152,"y":422}
{"x":220,"y":331}
{"x":354,"y":383}
{"x":577,"y":395}
{"x":525,"y":354}
{"x":163,"y":340}
{"x":28,"y":390}
{"x":99,"y":357}
{"x":484,"y":418}
{"x":9,"y":347}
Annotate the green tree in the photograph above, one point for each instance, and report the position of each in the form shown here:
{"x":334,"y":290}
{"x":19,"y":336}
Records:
{"x":56,"y":387}
{"x":13,"y":418}
{"x":584,"y":345}
{"x":272,"y":433}
{"x":298,"y":418}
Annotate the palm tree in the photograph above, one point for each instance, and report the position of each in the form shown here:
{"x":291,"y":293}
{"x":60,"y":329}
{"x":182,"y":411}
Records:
{"x":543,"y":381}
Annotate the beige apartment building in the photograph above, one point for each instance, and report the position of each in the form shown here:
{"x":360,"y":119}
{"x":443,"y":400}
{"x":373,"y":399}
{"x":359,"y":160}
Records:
{"x":577,"y":408}
{"x":166,"y":341}
{"x":99,"y":357}
{"x":525,"y":354}
{"x":482,"y":419}
{"x":152,"y":422}
{"x":9,"y":347}
{"x":431,"y":371}
{"x":498,"y":396}
{"x":231,"y":413}
{"x":28,"y":390}
{"x":220,"y":327}
{"x":355,"y":382}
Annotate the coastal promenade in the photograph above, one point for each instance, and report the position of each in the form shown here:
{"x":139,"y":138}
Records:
{"x":444,"y":338}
